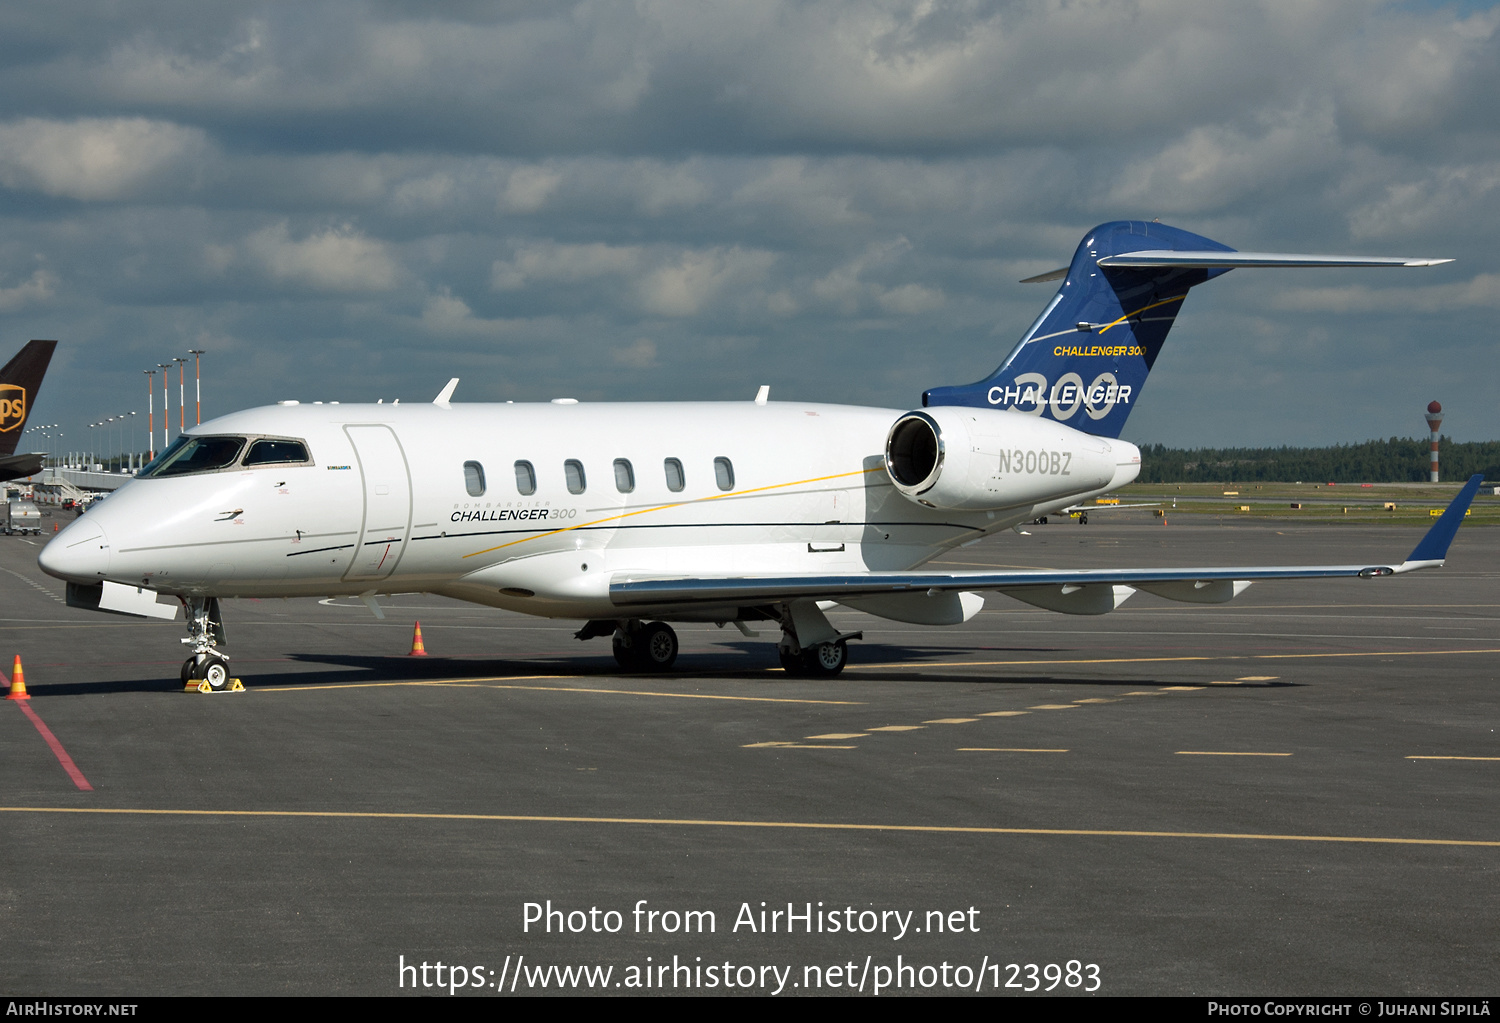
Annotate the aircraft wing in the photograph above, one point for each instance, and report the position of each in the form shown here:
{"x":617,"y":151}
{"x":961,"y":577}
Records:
{"x":14,"y":467}
{"x":1110,"y":507}
{"x":1079,"y":591}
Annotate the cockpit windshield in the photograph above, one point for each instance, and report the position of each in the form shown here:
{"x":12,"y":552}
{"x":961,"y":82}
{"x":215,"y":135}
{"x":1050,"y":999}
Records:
{"x":194,"y":454}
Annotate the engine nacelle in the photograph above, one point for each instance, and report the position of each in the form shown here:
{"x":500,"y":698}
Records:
{"x":975,"y":459}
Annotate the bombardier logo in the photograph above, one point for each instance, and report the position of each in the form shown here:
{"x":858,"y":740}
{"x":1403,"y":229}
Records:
{"x":12,"y":407}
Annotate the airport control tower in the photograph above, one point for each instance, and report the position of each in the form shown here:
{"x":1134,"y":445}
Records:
{"x":1434,"y":423}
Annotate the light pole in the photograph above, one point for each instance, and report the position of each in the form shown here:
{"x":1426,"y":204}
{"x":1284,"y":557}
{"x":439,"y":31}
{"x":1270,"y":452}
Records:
{"x":166,"y":404}
{"x":150,"y":411}
{"x":181,"y":395}
{"x":197,"y":354}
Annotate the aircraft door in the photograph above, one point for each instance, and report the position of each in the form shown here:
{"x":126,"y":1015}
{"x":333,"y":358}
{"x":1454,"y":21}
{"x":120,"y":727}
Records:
{"x":387,"y":514}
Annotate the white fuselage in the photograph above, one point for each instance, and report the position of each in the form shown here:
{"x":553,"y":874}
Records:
{"x":386,"y":503}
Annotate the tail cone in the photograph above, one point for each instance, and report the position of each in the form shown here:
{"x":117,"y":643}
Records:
{"x":417,"y":649}
{"x":18,"y":682}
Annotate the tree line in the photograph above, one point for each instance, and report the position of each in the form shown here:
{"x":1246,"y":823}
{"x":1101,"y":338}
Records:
{"x":1398,"y":460}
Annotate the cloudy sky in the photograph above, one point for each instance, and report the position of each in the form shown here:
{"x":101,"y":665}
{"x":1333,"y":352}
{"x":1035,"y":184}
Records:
{"x":662,"y":200}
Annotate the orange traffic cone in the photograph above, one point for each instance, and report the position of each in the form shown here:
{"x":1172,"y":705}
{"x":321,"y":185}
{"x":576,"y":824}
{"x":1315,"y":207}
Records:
{"x":417,"y":649}
{"x":18,"y":682}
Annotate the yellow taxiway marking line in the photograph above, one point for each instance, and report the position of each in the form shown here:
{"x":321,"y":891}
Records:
{"x":1054,"y":706}
{"x":949,"y":721}
{"x":894,"y":728}
{"x":1097,"y":699}
{"x":1151,"y":692}
{"x":1180,"y":689}
{"x":1256,"y":678}
{"x":684,"y":696}
{"x":1225,"y":753}
{"x":1166,"y":660}
{"x":1004,"y":713}
{"x":1004,"y":749}
{"x":837,"y":735}
{"x":1451,"y":758}
{"x":408,"y":682}
{"x":803,"y":825}
{"x":488,"y":683}
{"x":791,"y":745}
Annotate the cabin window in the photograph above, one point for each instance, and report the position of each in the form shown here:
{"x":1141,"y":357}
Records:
{"x":525,"y":478}
{"x":724,"y":473}
{"x":675,"y":481}
{"x":194,"y":454}
{"x":573,"y":472}
{"x":624,"y":476}
{"x":268,"y":452}
{"x":474,"y":479}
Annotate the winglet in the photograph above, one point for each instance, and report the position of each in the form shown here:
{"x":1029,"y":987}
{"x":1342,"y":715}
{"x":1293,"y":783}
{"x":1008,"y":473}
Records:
{"x":441,"y":401}
{"x":1434,"y":546}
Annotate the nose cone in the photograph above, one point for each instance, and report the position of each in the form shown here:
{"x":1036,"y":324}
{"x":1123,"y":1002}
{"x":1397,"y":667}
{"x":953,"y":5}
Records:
{"x":79,"y":553}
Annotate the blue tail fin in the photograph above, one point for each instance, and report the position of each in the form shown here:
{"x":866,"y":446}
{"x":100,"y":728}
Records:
{"x":1085,"y":359}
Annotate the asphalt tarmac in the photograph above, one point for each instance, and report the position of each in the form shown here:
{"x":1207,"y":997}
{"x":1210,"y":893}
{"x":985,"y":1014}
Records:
{"x":1292,"y":794}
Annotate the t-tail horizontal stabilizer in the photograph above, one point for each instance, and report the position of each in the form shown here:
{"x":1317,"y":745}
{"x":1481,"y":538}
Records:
{"x":1085,"y":359}
{"x":1433,"y":549}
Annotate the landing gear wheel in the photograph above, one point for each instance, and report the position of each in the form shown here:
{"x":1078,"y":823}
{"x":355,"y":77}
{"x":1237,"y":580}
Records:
{"x":1083,"y":519}
{"x":826,"y":659}
{"x":656,"y":647}
{"x":792,"y":663}
{"x":216,"y":673}
{"x":187,"y":669}
{"x":625,"y":654}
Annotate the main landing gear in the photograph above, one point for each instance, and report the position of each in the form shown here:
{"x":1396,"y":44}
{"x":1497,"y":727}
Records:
{"x":639,"y":647}
{"x":205,"y":633}
{"x":822,"y":661}
{"x":810,"y":647}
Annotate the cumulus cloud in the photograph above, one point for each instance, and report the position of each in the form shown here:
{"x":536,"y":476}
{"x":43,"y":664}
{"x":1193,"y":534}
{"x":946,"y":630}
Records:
{"x":527,"y":189}
{"x":94,"y":158}
{"x":1443,"y":198}
{"x":1479,"y":292}
{"x":444,"y":314}
{"x":846,"y":288}
{"x":337,"y":259}
{"x":1212,"y":167}
{"x":640,"y":354}
{"x":36,"y":288}
{"x":688,"y":283}
{"x":547,"y":262}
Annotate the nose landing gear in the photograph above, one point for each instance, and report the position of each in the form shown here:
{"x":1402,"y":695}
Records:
{"x":205,"y":633}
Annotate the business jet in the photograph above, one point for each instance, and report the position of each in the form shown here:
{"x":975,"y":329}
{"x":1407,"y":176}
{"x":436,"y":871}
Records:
{"x":628,"y":517}
{"x":20,"y":379}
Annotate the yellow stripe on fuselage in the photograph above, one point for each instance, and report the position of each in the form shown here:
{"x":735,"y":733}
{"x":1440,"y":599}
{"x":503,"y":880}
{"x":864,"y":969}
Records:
{"x":675,"y":504}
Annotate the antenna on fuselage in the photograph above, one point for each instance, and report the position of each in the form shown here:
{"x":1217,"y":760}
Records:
{"x":441,"y":401}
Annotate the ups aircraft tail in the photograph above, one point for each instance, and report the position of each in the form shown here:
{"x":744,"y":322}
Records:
{"x":19,"y":382}
{"x":1085,"y":359}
